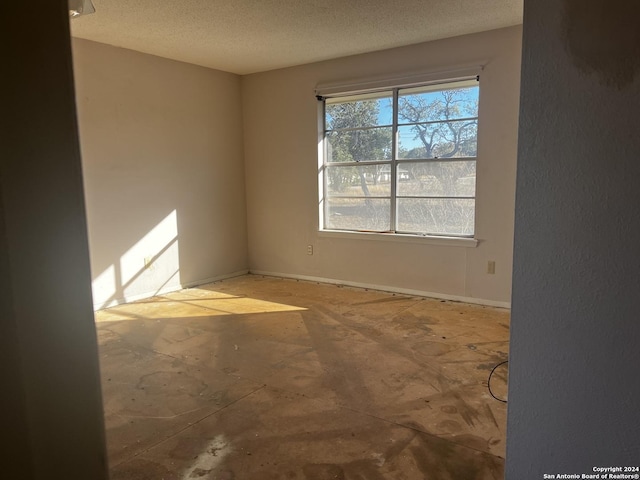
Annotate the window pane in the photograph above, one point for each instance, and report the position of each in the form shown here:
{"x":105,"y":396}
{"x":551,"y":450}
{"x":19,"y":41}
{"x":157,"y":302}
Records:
{"x":359,"y":145}
{"x":435,"y":176}
{"x":426,"y":104}
{"x":436,"y":216}
{"x":357,"y":181}
{"x":358,"y":214}
{"x":438,"y":140}
{"x":372,"y":110}
{"x":437,"y":179}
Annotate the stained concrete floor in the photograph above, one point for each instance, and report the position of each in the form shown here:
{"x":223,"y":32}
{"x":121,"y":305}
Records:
{"x":266,"y":378}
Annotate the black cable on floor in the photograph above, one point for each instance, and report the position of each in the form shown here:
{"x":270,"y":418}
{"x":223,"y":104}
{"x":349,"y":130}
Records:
{"x":489,"y":381}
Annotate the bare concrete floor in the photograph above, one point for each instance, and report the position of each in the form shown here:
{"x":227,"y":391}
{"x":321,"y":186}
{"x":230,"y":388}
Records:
{"x":266,"y":378}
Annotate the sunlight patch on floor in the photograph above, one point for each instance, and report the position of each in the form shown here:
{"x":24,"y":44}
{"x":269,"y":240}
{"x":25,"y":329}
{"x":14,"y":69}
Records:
{"x":191,"y":303}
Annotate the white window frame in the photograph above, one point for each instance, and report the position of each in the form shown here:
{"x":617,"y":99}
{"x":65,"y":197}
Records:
{"x":362,"y":88}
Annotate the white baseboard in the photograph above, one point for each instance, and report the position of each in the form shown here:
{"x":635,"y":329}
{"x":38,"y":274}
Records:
{"x":162,"y":291}
{"x":386,"y":288}
{"x":215,"y":279}
{"x":333,"y":281}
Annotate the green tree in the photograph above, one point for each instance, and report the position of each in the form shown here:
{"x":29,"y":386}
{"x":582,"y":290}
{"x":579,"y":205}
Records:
{"x":445,"y":124}
{"x":354,"y":137}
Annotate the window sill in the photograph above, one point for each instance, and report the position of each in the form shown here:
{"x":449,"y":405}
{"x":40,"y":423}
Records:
{"x":402,"y":238}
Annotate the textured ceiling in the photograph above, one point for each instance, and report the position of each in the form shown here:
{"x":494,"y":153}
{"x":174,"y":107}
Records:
{"x":248,"y":36}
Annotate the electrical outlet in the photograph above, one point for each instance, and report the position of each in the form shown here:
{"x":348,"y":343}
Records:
{"x":309,"y":249}
{"x":148,"y":263}
{"x":491,"y":267}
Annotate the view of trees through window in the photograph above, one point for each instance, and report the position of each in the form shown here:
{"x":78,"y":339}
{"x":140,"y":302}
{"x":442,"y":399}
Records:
{"x":402,"y":160}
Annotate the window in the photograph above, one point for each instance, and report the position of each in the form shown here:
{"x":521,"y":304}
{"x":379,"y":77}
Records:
{"x":402,"y":160}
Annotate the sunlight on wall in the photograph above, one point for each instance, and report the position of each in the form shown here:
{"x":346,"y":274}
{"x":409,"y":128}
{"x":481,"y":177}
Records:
{"x":153,"y":262}
{"x":149,"y":267}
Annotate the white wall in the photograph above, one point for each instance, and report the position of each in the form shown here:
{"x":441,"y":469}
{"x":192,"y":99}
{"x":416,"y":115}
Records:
{"x":163,"y":169}
{"x":573,"y":384}
{"x":281,"y":124}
